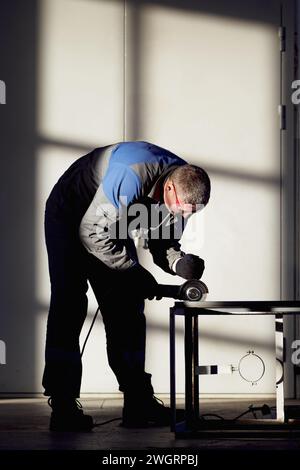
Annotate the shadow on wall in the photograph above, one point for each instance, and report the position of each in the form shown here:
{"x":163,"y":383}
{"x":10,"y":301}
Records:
{"x":18,"y":52}
{"x":18,"y":146}
{"x":251,"y":11}
{"x":260,"y":12}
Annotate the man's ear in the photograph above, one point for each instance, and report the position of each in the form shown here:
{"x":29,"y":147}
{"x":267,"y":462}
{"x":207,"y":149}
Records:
{"x":169,"y":185}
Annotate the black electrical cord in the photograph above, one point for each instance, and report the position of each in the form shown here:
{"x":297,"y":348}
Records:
{"x":106,"y":422}
{"x":212,"y":414}
{"x":249,"y":410}
{"x":265,"y":409}
{"x":89,"y":332}
{"x":81,"y":354}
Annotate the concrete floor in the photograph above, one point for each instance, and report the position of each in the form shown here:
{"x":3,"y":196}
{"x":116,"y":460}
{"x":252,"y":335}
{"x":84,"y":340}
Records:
{"x":24,"y":426}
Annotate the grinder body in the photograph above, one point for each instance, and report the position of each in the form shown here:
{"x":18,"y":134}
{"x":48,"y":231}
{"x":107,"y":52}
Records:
{"x":192,"y":290}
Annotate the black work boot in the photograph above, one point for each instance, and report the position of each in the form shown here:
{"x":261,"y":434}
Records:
{"x":142,"y":408}
{"x":140,"y":412}
{"x":67,"y":415}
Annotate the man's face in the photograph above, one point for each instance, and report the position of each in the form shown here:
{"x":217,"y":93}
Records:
{"x":174,"y":201}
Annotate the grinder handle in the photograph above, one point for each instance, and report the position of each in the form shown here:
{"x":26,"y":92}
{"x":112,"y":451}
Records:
{"x":167,"y":290}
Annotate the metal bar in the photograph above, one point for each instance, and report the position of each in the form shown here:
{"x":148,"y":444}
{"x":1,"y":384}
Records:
{"x":209,"y":311}
{"x":188,"y":350}
{"x":279,"y":347}
{"x":195,"y":365}
{"x":172,"y":369}
{"x":259,"y":306}
{"x":214,"y":369}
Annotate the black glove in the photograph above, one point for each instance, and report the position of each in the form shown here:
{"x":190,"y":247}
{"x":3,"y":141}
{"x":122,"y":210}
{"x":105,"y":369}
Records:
{"x":190,"y":267}
{"x":144,"y":284}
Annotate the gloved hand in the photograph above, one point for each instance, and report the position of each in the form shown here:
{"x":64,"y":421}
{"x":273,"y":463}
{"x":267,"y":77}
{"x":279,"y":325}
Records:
{"x":145,"y":285}
{"x":190,"y":267}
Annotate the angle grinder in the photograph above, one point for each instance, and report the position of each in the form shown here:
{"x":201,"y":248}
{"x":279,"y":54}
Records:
{"x":192,"y":290}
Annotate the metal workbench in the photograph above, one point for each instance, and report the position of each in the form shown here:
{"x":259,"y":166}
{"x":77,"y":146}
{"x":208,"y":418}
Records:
{"x":193,"y":425}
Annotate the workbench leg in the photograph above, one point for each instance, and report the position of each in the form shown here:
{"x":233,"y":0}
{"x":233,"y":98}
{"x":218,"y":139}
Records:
{"x":189,"y":392}
{"x":195,"y":365}
{"x":172,"y":369}
{"x":279,"y":346}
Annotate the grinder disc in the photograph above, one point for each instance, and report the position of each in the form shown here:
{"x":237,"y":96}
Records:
{"x":193,"y":291}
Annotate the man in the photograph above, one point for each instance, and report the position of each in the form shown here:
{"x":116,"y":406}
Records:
{"x":84,"y":229}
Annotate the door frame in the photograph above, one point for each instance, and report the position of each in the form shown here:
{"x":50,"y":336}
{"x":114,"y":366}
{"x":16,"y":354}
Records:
{"x":290,"y":186}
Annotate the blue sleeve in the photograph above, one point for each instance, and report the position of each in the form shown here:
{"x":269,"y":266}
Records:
{"x":121,"y":182}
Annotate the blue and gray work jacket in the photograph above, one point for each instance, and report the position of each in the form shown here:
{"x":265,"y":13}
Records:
{"x":117,"y":177}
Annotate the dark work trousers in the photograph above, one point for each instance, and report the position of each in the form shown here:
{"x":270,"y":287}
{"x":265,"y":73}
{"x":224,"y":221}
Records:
{"x":70,"y":269}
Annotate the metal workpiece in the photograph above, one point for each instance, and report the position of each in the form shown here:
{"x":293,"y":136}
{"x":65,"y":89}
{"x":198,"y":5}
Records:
{"x":240,"y":307}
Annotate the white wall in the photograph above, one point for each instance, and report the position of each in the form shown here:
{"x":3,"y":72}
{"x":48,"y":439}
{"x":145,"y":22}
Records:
{"x":208,"y":89}
{"x":80,"y":105}
{"x":202,"y":79}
